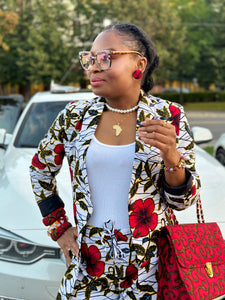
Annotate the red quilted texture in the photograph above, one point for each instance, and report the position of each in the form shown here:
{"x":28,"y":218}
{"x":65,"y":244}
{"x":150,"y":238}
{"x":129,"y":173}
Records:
{"x":183,"y":252}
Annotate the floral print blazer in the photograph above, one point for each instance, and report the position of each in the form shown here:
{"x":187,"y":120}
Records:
{"x":149,"y":195}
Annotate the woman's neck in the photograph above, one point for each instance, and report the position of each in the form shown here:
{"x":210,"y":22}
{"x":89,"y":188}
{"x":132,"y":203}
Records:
{"x":123,"y":102}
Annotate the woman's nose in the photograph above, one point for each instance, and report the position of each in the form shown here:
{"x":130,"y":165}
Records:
{"x":94,"y":67}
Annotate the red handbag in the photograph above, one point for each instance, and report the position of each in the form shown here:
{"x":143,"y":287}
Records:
{"x":191,"y":260}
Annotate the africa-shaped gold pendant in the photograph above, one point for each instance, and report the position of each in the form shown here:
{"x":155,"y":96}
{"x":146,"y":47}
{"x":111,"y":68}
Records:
{"x":118,"y":129}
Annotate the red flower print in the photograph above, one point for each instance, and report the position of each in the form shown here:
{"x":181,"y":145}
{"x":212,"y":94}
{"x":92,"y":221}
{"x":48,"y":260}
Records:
{"x":145,"y":263}
{"x":79,"y":125}
{"x":120,"y":236}
{"x":36,"y":162}
{"x":131,"y":274}
{"x":92,"y":256}
{"x":59,"y":150}
{"x":193,"y":190}
{"x":71,"y":174}
{"x":176,"y":117}
{"x":142,"y":217}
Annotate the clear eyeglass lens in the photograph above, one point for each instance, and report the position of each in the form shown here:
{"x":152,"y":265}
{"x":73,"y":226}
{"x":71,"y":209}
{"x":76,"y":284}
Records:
{"x":86,"y":60}
{"x":103,"y":60}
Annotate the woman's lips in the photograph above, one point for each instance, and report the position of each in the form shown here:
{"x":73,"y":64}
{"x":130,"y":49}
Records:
{"x":95,"y":81}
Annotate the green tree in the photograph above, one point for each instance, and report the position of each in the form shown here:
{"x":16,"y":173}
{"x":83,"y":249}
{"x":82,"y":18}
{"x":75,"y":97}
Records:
{"x":211,"y":67}
{"x":85,"y":21}
{"x":47,"y":57}
{"x":9,"y":69}
{"x":8,"y":21}
{"x":204,"y":22}
{"x":49,"y":34}
{"x":159,"y":19}
{"x":46,"y":42}
{"x":219,"y":46}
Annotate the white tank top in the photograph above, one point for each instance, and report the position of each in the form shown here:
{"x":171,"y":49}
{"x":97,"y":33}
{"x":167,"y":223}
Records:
{"x":109,"y":170}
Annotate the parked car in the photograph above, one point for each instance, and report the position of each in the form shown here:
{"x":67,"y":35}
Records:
{"x":10,"y":109}
{"x":219,"y":149}
{"x":31,"y":264}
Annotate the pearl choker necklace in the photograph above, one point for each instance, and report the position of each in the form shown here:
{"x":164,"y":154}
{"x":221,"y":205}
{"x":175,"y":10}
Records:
{"x":121,"y":111}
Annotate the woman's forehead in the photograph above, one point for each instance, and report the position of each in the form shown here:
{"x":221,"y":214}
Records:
{"x":108,"y":40}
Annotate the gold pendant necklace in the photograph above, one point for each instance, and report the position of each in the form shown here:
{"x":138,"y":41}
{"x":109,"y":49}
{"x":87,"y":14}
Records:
{"x":118,"y":129}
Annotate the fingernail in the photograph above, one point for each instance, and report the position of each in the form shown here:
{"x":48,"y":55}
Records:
{"x":142,"y":133}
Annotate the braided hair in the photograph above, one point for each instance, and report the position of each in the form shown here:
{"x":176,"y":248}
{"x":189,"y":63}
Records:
{"x":137,"y":39}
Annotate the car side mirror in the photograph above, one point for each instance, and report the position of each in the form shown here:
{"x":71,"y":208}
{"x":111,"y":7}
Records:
{"x":201,"y":135}
{"x":4,"y":138}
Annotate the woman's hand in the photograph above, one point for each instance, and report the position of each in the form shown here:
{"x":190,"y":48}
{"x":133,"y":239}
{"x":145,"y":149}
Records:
{"x":67,"y":243}
{"x":161,"y":134}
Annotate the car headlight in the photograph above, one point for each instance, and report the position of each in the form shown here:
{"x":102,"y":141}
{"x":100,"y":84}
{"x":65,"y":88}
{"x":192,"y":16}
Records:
{"x":14,"y":248}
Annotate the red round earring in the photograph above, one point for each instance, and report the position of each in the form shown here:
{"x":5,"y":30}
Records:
{"x":137,"y":74}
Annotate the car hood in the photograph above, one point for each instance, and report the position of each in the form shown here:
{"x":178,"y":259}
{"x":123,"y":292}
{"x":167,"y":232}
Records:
{"x":19,"y":212}
{"x":212,"y":176}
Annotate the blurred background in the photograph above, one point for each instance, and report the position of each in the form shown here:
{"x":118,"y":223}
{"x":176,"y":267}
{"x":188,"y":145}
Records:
{"x":40,"y":41}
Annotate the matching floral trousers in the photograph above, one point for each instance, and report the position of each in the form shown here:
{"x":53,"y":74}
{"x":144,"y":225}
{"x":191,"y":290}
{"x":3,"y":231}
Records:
{"x":109,"y":270}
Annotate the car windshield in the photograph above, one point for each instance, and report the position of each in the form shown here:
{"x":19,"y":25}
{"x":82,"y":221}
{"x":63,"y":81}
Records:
{"x":37,"y":122}
{"x":10,"y":110}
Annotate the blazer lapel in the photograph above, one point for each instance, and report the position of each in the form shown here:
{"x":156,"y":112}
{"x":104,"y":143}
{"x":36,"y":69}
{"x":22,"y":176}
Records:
{"x":143,"y":152}
{"x":89,"y":125}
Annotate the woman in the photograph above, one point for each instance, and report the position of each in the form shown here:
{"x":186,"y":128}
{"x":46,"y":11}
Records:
{"x":131,"y":157}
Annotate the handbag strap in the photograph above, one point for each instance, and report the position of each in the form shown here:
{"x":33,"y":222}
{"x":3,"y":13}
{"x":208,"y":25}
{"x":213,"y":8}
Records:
{"x":199,"y":211}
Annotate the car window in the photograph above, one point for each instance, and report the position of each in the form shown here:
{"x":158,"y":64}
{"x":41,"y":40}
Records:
{"x":10,"y":110}
{"x":37,"y":122}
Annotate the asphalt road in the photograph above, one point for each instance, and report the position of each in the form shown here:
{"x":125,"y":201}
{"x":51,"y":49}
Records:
{"x":213,"y":120}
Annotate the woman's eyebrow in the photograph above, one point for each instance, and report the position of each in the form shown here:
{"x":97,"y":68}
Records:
{"x":109,"y":49}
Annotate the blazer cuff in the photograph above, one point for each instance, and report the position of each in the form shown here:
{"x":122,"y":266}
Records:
{"x":181,"y":189}
{"x":50,"y":204}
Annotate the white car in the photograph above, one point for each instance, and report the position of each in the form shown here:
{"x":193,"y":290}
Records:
{"x":219,"y":149}
{"x":31,"y":264}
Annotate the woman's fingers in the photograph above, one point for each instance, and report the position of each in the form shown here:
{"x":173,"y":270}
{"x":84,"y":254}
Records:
{"x":68,"y":243}
{"x":160,"y":134}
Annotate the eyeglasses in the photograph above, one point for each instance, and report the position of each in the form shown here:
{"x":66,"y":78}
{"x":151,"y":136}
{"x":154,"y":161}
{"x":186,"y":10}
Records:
{"x":102,"y":58}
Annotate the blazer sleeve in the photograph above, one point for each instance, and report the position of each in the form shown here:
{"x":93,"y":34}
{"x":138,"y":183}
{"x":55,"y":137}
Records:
{"x":47,"y":162}
{"x":183,"y":196}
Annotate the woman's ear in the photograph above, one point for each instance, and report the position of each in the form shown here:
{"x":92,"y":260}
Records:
{"x":142,"y":63}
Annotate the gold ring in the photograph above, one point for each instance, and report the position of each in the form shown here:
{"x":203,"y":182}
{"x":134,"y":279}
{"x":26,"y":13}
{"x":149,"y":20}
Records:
{"x":164,"y":124}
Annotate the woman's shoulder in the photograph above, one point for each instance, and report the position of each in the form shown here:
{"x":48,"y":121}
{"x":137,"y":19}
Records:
{"x":160,"y":102}
{"x":80,"y":105}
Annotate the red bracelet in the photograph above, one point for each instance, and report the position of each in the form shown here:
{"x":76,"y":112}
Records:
{"x":57,"y":229}
{"x":180,"y":165}
{"x":54,"y":216}
{"x":57,"y":222}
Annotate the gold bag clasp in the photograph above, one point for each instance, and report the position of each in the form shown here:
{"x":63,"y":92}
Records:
{"x":209,"y":269}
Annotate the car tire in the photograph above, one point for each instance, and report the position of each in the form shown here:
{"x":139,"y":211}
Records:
{"x":220,"y":156}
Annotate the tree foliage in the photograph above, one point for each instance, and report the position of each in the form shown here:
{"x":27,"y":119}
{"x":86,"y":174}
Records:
{"x":8,"y":21}
{"x":205,"y":23}
{"x":158,"y":19}
{"x":188,"y":36}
